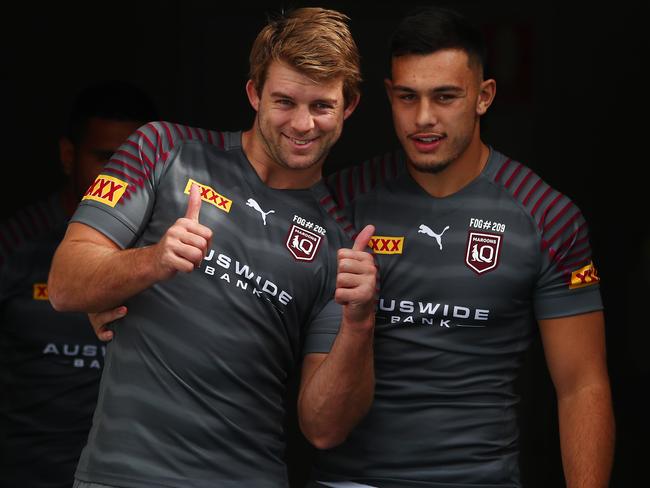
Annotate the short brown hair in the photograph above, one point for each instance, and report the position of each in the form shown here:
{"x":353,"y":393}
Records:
{"x":315,"y":41}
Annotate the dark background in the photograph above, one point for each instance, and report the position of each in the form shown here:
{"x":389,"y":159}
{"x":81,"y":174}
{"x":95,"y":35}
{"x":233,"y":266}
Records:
{"x":571,"y":103}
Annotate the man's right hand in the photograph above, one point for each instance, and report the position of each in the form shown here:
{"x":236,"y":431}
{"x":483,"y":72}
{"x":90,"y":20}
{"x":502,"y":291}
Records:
{"x":186,"y":242}
{"x":100,"y":320}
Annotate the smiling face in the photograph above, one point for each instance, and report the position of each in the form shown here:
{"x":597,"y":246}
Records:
{"x":298,"y":121}
{"x":436,"y":101}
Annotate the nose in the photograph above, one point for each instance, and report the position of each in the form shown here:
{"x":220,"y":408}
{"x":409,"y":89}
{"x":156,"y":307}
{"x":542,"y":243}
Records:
{"x":425,"y":116}
{"x":302,"y":120}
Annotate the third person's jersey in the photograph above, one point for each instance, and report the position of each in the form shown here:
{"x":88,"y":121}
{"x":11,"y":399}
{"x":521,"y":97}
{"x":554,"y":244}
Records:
{"x":463,"y":281}
{"x":50,"y":362}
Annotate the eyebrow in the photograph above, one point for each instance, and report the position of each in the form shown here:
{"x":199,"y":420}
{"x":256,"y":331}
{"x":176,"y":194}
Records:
{"x":439,"y":89}
{"x":330,"y":101}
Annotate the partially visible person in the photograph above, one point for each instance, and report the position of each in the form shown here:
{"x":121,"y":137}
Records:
{"x":477,"y":254}
{"x":51,"y":362}
{"x":225,"y":248}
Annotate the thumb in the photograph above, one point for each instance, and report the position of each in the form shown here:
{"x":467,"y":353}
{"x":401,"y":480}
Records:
{"x":193,"y":204}
{"x":363,"y":237}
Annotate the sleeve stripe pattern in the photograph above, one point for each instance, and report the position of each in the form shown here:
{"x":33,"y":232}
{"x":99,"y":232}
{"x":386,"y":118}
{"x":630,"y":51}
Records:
{"x":350,"y":182}
{"x":28,"y":223}
{"x":138,"y":157}
{"x":562,"y":227}
{"x":328,"y":203}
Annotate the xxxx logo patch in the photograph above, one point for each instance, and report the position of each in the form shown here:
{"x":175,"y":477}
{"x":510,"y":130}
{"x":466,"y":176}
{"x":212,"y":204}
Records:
{"x":40,"y":291}
{"x":209,"y":195}
{"x":106,"y":189}
{"x":387,"y":244}
{"x":584,"y":276}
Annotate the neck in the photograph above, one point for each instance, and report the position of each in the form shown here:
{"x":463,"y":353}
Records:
{"x":460,"y":172}
{"x":273,"y":174}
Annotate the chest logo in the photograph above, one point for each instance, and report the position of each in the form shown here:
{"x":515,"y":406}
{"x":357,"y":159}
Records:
{"x":387,"y":244}
{"x":482,"y":253}
{"x":256,"y":206}
{"x":423,"y":229}
{"x":210,"y":196}
{"x":302,"y":243}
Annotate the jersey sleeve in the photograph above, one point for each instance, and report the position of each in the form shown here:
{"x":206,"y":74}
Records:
{"x":324,"y":328}
{"x":120,"y":200}
{"x":569,"y":283}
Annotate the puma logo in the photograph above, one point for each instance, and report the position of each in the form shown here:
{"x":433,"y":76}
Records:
{"x":438,"y":237}
{"x":256,"y":206}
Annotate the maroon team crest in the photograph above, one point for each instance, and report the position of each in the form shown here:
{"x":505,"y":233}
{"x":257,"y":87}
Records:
{"x":482,"y":253}
{"x":303,"y":244}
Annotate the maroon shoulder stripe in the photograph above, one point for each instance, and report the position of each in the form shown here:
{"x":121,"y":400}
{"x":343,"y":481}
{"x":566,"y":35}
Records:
{"x":326,"y":200}
{"x":568,"y":240}
{"x":548,"y":208}
{"x":20,"y":220}
{"x":560,"y":214}
{"x":523,"y":183}
{"x":532,"y":191}
{"x":339,"y":190}
{"x":540,"y":200}
{"x":139,"y":181}
{"x":502,"y":169}
{"x":513,"y":175}
{"x":167,"y":131}
{"x":179,"y":132}
{"x":126,"y":165}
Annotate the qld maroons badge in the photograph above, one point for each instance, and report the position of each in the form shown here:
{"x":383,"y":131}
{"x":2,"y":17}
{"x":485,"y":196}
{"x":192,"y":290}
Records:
{"x":482,"y":253}
{"x":302,"y":243}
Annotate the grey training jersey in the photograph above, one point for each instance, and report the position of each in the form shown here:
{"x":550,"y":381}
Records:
{"x":193,"y":389}
{"x":463,"y":281}
{"x":50,"y":362}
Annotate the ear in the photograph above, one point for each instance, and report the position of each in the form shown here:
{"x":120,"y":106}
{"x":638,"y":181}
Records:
{"x":486,"y":94}
{"x":351,"y":106}
{"x":253,"y":96}
{"x":66,"y":155}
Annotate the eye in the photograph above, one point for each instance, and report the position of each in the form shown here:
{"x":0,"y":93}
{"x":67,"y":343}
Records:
{"x":445,"y":98}
{"x":323,"y":106}
{"x":407,"y":97}
{"x":284,"y":102}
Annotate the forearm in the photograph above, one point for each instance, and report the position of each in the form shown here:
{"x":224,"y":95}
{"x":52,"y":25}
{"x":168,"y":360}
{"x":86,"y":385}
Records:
{"x":340,"y":391}
{"x":587,"y":435}
{"x":89,"y":277}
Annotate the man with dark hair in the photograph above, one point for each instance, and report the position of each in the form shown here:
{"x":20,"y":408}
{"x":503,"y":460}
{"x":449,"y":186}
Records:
{"x":225,"y":248}
{"x":476,"y":255}
{"x":51,"y":362}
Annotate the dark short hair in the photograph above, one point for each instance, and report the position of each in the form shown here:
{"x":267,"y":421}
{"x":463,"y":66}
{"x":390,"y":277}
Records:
{"x":426,"y":30}
{"x":113,"y":100}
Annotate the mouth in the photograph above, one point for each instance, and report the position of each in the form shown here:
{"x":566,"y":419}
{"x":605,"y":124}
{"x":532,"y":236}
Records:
{"x":300,"y":142}
{"x":427,"y":142}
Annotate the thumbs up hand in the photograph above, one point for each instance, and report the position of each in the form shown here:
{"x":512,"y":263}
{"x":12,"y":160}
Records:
{"x":356,"y":280}
{"x":186,"y":242}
